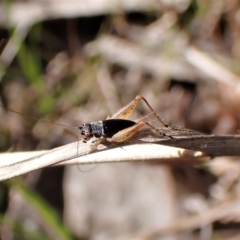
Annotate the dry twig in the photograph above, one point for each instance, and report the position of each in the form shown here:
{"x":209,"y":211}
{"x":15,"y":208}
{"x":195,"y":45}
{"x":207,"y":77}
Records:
{"x":145,"y":146}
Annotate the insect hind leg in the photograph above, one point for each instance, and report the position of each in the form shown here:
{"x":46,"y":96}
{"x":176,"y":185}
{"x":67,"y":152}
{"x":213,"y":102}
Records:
{"x":157,"y":131}
{"x":126,"y":133}
{"x":140,"y":97}
{"x":127,"y":110}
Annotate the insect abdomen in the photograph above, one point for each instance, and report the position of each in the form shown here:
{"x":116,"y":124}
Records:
{"x":112,"y":126}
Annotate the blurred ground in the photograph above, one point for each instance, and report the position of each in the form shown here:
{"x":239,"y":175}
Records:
{"x":80,"y":61}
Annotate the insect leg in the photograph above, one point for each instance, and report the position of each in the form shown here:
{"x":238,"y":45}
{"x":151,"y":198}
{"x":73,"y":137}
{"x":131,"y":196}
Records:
{"x":140,"y":97}
{"x":156,"y":130}
{"x":94,"y":144}
{"x":126,"y":133}
{"x":127,"y":110}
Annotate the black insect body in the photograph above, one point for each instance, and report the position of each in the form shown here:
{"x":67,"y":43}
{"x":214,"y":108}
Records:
{"x":106,"y":128}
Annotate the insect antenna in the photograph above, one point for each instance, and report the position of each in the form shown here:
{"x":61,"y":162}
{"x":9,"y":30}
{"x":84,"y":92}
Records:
{"x":58,"y":124}
{"x":146,"y":117}
{"x":37,"y":119}
{"x":80,"y":167}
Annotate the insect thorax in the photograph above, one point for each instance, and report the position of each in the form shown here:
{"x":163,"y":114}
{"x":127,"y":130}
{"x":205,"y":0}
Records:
{"x":97,"y":129}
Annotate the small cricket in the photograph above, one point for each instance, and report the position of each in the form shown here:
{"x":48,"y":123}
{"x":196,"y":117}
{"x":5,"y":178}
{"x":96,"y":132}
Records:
{"x":117,"y":128}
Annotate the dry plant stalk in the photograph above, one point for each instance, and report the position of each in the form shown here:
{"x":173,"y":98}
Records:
{"x":145,"y":146}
